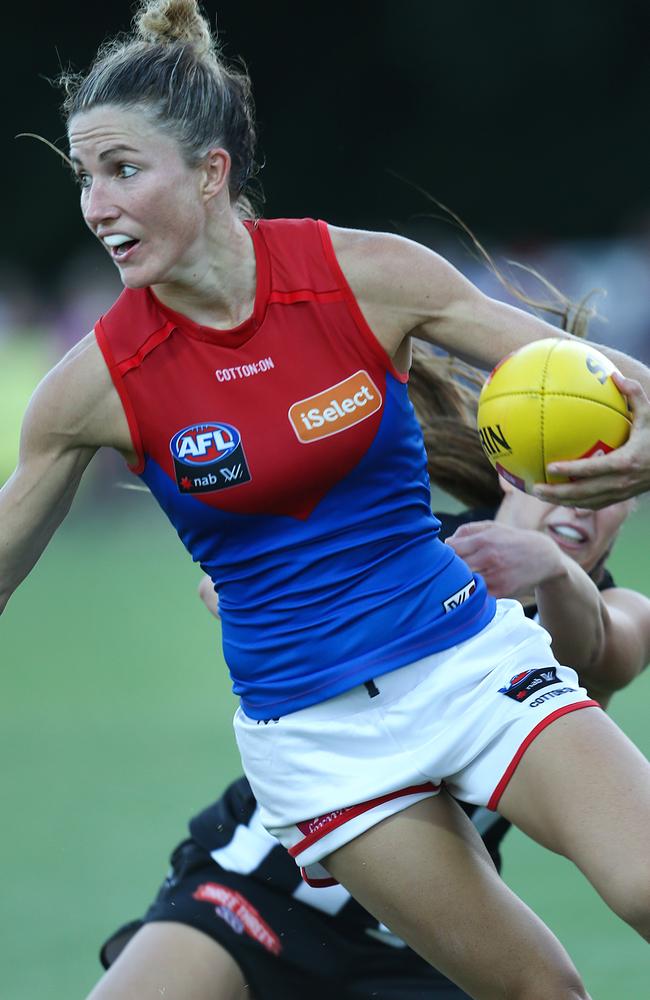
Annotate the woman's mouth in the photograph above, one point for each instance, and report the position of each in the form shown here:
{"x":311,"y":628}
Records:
{"x":567,"y":535}
{"x":120,"y":246}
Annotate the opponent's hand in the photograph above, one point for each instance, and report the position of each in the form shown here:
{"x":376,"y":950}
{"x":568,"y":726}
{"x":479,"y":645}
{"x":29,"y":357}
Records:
{"x":208,"y":595}
{"x":606,"y":479}
{"x":512,"y":561}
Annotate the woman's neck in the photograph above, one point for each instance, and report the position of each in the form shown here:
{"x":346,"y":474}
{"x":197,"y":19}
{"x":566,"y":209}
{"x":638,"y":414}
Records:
{"x":216,"y":287}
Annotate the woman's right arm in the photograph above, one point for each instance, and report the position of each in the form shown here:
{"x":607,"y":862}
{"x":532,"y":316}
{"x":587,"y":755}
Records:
{"x":74,"y":411}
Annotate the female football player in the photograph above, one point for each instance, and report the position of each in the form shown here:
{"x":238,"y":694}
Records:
{"x":253,"y":373}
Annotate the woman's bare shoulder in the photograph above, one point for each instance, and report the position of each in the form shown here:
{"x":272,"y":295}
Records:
{"x":392,"y":270}
{"x":77,"y":400}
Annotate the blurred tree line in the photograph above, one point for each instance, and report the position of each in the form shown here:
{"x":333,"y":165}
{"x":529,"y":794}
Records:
{"x":529,"y":120}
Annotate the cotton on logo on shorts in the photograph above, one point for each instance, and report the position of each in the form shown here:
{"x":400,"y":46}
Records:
{"x":335,"y":409}
{"x":239,"y":914}
{"x":555,"y":693}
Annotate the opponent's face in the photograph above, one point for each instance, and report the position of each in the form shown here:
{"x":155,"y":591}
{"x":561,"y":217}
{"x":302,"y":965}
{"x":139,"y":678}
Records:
{"x":585,"y":535}
{"x":138,"y":195}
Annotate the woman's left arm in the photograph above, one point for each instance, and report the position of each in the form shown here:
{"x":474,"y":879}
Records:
{"x":404,"y":289}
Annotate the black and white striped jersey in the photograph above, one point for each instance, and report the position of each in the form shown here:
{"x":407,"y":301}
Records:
{"x":230,"y":831}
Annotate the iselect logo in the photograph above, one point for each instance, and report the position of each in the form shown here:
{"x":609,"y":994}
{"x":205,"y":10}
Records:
{"x":335,"y":409}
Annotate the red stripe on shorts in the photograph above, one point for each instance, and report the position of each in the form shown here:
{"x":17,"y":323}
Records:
{"x":512,"y":766}
{"x":317,"y":883}
{"x":320,"y":826}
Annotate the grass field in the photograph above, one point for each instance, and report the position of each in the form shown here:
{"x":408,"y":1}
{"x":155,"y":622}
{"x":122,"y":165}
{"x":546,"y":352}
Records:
{"x":116,"y":725}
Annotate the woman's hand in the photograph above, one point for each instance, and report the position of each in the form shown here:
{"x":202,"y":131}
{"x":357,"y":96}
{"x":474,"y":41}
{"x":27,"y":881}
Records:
{"x":605,"y":479}
{"x":512,"y":561}
{"x":208,"y":595}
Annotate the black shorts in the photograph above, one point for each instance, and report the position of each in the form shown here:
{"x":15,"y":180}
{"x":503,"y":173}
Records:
{"x":286,"y":949}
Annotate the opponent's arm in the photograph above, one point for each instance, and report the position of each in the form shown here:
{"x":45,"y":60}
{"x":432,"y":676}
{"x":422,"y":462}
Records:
{"x":604,"y":636}
{"x":626,"y":650}
{"x":405,"y":289}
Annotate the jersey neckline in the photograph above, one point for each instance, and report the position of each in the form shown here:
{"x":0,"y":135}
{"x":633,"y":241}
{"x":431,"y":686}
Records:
{"x":233,"y":336}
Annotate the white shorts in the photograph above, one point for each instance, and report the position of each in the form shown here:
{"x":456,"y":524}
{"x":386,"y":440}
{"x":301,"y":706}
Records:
{"x":464,"y":717}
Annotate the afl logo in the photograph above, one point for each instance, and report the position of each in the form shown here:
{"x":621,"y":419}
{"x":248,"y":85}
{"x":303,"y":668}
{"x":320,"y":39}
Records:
{"x":204,"y":444}
{"x":208,"y":457}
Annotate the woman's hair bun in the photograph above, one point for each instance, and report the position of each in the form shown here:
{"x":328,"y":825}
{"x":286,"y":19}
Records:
{"x":160,"y":21}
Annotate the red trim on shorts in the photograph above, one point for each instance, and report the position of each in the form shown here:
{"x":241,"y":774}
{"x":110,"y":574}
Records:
{"x":341,"y":816}
{"x":512,"y":766}
{"x":317,"y":883}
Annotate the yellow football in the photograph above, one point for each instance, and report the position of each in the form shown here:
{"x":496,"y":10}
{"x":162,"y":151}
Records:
{"x":551,"y":400}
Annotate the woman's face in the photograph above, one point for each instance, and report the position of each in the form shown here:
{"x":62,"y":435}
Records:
{"x":138,"y":195}
{"x":585,"y":535}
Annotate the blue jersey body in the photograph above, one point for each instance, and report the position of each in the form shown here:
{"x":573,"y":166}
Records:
{"x":287,"y":455}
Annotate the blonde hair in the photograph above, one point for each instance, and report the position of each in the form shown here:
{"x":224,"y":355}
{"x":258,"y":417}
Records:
{"x":171,"y":68}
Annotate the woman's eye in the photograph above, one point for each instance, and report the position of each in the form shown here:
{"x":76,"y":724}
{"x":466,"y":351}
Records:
{"x":126,"y":170}
{"x":82,"y":179}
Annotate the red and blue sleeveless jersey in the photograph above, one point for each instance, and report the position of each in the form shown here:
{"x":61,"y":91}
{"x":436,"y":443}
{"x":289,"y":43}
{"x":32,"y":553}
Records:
{"x":286,"y":453}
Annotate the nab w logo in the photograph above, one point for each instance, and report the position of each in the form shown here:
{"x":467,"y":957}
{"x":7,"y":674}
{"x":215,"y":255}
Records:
{"x":493,"y":441}
{"x":523,"y":685}
{"x":459,"y":597}
{"x":208,"y":457}
{"x":230,"y":475}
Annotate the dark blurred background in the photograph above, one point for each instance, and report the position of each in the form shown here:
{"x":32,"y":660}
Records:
{"x":530,"y":120}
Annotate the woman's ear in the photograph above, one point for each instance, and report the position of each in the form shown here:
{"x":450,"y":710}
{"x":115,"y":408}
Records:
{"x":216,"y":171}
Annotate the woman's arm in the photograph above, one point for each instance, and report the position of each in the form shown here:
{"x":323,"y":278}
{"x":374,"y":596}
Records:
{"x":625,"y":651}
{"x":73,"y":412}
{"x":405,"y":289}
{"x":604,"y":636}
{"x":607,"y":479}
